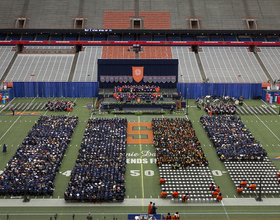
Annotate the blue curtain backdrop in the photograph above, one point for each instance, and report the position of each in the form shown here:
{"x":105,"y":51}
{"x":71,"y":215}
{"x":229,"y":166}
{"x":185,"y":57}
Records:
{"x":197,"y":90}
{"x":54,"y":89}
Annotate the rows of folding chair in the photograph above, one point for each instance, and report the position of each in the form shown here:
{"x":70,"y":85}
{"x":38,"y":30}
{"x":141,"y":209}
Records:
{"x":254,"y":172}
{"x":193,"y":180}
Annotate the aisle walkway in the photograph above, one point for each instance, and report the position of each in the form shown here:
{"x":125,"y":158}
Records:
{"x":137,"y":202}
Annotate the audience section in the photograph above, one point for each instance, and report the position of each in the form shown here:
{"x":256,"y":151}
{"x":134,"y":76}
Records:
{"x":36,"y":162}
{"x":176,"y":143}
{"x":98,"y":175}
{"x":181,"y":160}
{"x":232,"y":140}
{"x":245,"y":159}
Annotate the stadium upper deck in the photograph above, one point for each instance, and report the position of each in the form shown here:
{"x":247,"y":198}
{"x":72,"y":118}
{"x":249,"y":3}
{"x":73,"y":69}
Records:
{"x":186,"y":14}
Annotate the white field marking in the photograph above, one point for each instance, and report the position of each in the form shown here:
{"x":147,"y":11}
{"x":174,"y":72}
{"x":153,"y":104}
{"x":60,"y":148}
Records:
{"x":265,"y":125}
{"x":142,"y":175}
{"x":267,"y":105}
{"x":225,"y":209}
{"x":9,"y":102}
{"x":13,"y":123}
{"x":185,"y":213}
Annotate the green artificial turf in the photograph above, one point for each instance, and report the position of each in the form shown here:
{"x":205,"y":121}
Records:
{"x":142,"y":173}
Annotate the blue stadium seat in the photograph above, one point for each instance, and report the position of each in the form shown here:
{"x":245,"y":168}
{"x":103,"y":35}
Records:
{"x":244,"y":39}
{"x":272,"y":39}
{"x":229,"y":38}
{"x":187,"y":38}
{"x":201,"y":38}
{"x":145,"y":38}
{"x":56,"y":38}
{"x":114,"y":38}
{"x":71,"y":37}
{"x":102,"y":38}
{"x":13,"y":37}
{"x":42,"y":37}
{"x":216,"y":38}
{"x":85,"y":38}
{"x":27,"y":37}
{"x":173,"y":39}
{"x":258,"y":39}
{"x":2,"y":37}
{"x":159,"y":38}
{"x":130,"y":38}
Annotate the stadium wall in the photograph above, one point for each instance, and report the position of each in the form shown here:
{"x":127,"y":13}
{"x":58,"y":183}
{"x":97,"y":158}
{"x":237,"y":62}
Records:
{"x":197,"y":90}
{"x":55,"y":89}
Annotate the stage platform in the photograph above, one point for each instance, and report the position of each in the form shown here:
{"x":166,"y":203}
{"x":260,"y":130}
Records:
{"x":166,"y":103}
{"x":110,"y":91}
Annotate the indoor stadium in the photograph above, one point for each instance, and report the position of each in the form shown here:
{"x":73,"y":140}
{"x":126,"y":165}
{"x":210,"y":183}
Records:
{"x":141,"y":109}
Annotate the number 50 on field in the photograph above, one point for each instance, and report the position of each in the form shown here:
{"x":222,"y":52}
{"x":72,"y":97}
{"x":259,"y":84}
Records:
{"x":146,"y":173}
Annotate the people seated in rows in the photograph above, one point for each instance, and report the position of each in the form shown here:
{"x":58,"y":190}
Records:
{"x":215,"y":193}
{"x":162,"y":180}
{"x":177,"y":144}
{"x":175,"y":194}
{"x":36,"y":162}
{"x":219,"y":197}
{"x":60,"y":105}
{"x":134,"y":96}
{"x":185,"y":197}
{"x":98,"y":174}
{"x":243,"y":183}
{"x":168,"y":216}
{"x":239,"y":190}
{"x":136,"y":88}
{"x":163,"y":194}
{"x":232,"y":140}
{"x":176,"y":216}
{"x":220,"y":109}
{"x":252,"y":187}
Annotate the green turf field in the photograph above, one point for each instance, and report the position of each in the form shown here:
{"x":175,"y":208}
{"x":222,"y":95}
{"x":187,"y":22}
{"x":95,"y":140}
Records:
{"x":142,"y":173}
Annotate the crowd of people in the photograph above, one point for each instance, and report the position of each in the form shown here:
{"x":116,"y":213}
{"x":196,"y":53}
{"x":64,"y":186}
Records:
{"x":137,"y":88}
{"x":98,"y":174}
{"x":177,"y":144}
{"x":60,"y":105}
{"x":232,"y":140}
{"x":135,"y":96}
{"x":220,"y":109}
{"x":36,"y":162}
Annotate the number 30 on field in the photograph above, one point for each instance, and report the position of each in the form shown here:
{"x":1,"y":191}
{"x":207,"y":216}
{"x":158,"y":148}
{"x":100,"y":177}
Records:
{"x":146,"y":173}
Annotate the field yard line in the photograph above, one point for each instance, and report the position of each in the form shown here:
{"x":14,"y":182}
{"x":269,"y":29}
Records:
{"x":225,"y":209}
{"x":264,"y":124}
{"x":9,"y":102}
{"x":122,"y":213}
{"x":142,"y":178}
{"x":14,"y":123}
{"x":267,"y":105}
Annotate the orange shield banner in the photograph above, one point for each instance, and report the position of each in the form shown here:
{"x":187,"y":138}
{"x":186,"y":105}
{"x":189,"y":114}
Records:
{"x":137,"y":72}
